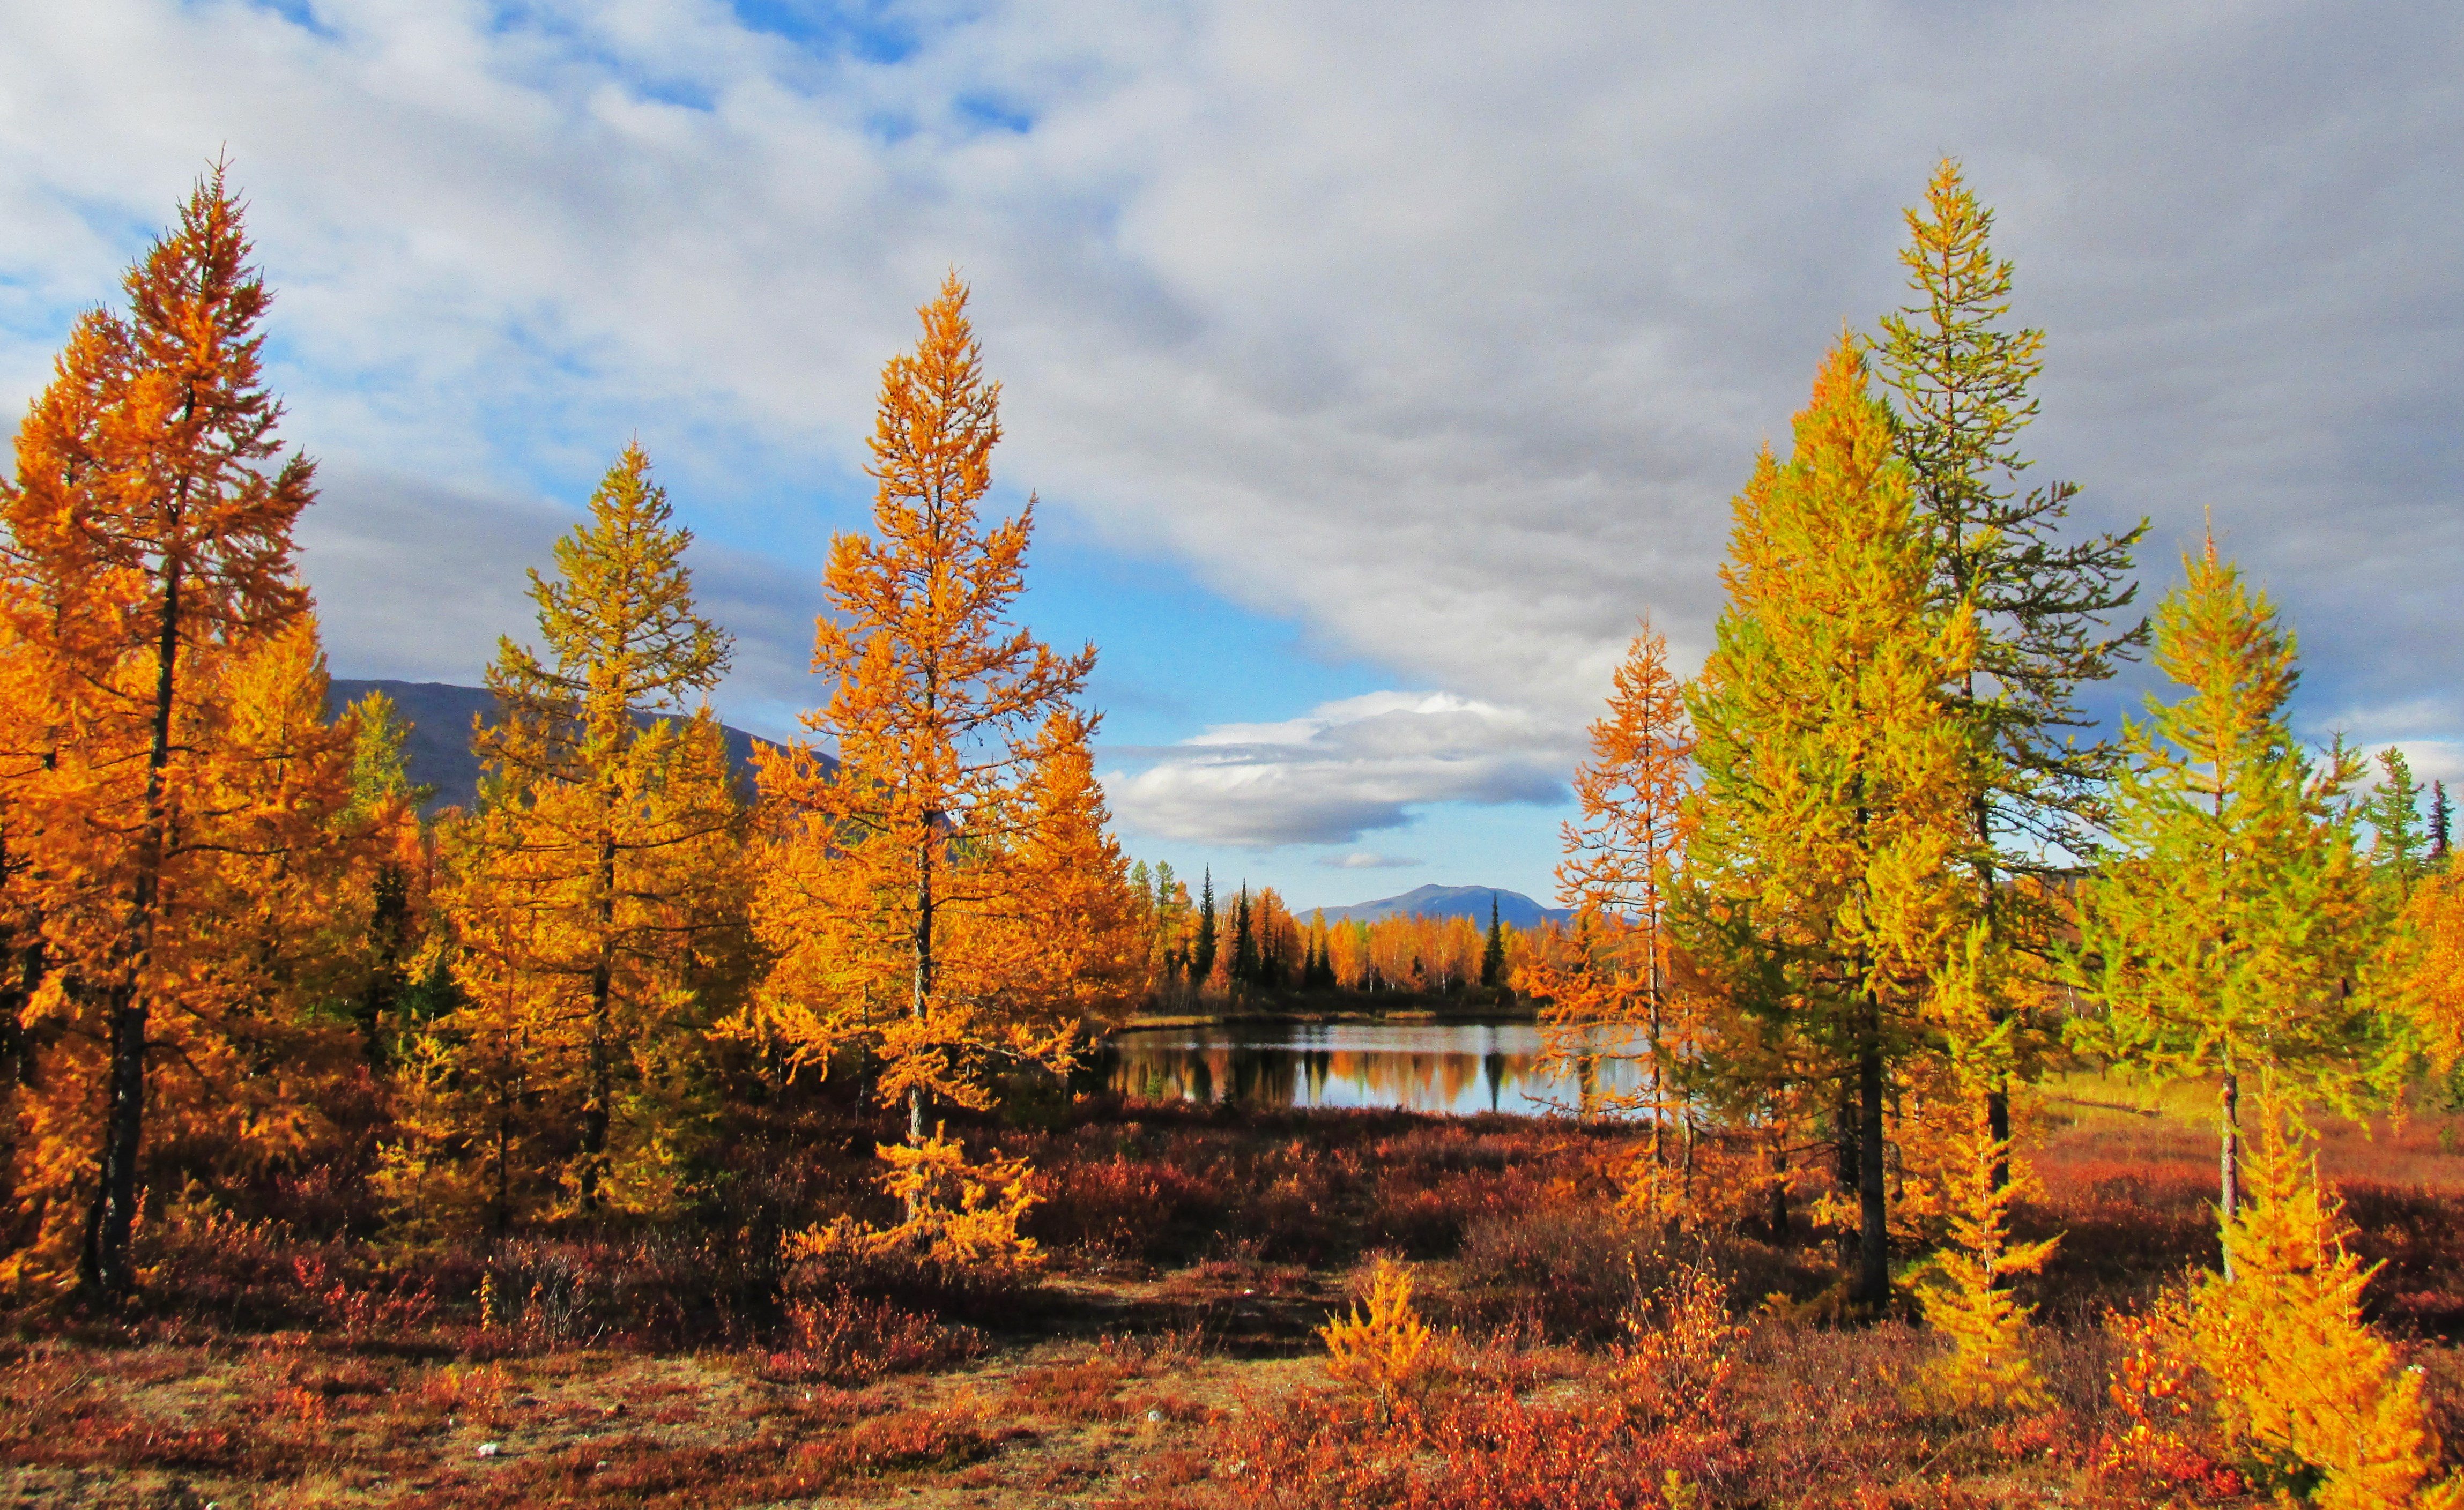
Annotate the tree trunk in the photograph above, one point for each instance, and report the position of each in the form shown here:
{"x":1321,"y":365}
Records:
{"x":2229,"y":1159}
{"x":16,"y":1055}
{"x":596,"y":1108}
{"x":1873,"y":1237}
{"x":106,"y":1269}
{"x":921,"y":1003}
{"x":1778,"y":1155}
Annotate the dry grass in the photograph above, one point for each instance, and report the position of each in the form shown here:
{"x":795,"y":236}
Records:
{"x":1167,"y":1357}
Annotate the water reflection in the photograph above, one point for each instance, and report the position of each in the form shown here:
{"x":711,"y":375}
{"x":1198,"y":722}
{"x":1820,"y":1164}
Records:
{"x":1457,"y":1067}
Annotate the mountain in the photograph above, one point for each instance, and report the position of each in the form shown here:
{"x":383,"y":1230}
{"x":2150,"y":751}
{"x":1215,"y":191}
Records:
{"x":1436,"y":900}
{"x":438,"y":754}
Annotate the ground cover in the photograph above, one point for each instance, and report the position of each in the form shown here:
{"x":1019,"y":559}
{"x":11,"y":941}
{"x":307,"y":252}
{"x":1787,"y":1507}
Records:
{"x":1167,"y":1354}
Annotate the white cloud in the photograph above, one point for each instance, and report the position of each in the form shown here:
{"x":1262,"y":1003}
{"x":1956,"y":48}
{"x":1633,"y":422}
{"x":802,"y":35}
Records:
{"x":1446,"y":329}
{"x":1349,"y":767}
{"x":1367,"y":860}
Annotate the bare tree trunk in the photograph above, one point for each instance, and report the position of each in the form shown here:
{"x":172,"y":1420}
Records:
{"x":1873,"y":1237}
{"x":106,"y":1269}
{"x":921,"y":1003}
{"x":2229,"y":1158}
{"x":1778,"y":1156}
{"x":596,"y":1107}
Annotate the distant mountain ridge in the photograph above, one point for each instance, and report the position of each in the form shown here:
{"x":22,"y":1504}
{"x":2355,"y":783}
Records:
{"x":1437,"y":900}
{"x":437,"y":752}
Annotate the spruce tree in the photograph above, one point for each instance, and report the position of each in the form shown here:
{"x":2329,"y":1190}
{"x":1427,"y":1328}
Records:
{"x":1202,"y":959}
{"x":2441,"y":818}
{"x":2040,"y":602}
{"x":1492,"y":957}
{"x":1244,"y":942}
{"x":2393,"y":812}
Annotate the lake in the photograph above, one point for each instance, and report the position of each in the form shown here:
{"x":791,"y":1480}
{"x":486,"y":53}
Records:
{"x":1460,"y":1068}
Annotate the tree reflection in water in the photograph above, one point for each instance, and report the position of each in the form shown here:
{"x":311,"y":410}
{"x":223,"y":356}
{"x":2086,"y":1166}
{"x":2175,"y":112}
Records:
{"x":1457,"y":1067}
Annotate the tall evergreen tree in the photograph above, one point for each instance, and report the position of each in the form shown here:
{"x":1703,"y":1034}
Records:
{"x":1822,"y":892}
{"x":1492,"y":954}
{"x":2223,"y":929}
{"x":1244,"y":942}
{"x":2393,"y":811}
{"x":1202,"y":959}
{"x":2041,"y":603}
{"x":2441,"y":820}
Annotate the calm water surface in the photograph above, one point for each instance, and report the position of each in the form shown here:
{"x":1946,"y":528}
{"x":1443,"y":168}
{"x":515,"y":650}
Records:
{"x":1458,"y":1067}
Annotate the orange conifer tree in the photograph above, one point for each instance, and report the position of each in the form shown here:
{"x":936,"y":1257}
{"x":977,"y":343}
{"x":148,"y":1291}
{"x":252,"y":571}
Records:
{"x":1619,"y":854}
{"x":595,"y":896}
{"x":1084,"y":948}
{"x":149,"y":547}
{"x":895,"y":878}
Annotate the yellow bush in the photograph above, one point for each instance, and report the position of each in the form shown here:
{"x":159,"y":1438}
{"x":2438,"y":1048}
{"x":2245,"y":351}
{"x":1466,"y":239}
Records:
{"x":2302,"y":1382}
{"x":962,"y":1214}
{"x":1988,"y":1365}
{"x":1385,"y":1348}
{"x":1680,"y":1353}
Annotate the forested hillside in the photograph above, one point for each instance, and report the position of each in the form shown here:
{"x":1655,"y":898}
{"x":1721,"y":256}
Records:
{"x":437,"y":718}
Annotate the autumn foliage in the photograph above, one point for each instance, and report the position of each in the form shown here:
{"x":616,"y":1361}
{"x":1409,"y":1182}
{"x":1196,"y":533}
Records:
{"x":644,"y":1064}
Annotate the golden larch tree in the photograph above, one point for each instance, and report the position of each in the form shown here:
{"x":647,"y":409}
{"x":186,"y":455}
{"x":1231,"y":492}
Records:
{"x":149,"y":551}
{"x":900,"y":867}
{"x":1821,"y":890}
{"x":597,"y":894}
{"x":1620,"y":853}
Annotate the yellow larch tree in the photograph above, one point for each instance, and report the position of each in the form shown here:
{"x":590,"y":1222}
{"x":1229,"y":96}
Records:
{"x":150,"y":559}
{"x":899,"y":866}
{"x":1821,"y":890}
{"x":596,"y":897}
{"x":2302,"y":1383}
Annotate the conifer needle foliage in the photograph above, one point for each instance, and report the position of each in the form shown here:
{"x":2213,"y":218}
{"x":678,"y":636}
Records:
{"x":1384,"y":1347}
{"x":940,"y":899}
{"x":1621,"y":858}
{"x":150,"y":592}
{"x":2041,"y":603}
{"x":596,"y":898}
{"x":2226,"y":925}
{"x":1988,"y":1365}
{"x":2302,"y":1383}
{"x":1823,"y":890}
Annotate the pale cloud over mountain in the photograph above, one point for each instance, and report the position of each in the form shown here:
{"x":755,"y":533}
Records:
{"x":1346,"y":768}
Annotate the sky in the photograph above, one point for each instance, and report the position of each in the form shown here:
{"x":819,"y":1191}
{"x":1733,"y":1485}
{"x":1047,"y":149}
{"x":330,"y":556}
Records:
{"x":1375,"y":366}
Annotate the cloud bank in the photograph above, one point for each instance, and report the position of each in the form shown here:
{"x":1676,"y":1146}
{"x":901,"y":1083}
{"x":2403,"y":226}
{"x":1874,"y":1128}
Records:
{"x":1347,"y":769}
{"x":1444,"y":330}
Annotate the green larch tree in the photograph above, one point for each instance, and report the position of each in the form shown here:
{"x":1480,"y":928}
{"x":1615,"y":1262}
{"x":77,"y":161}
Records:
{"x":2225,"y":926}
